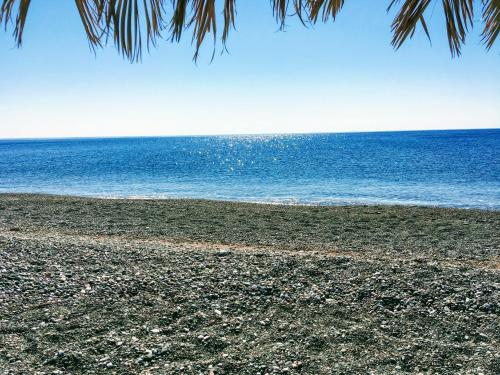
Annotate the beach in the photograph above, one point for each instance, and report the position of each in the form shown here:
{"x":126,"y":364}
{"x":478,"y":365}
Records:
{"x":209,"y":287}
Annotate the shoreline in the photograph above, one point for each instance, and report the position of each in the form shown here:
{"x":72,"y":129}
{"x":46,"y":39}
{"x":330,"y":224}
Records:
{"x":236,"y":201}
{"x":398,"y":231}
{"x":192,"y":286}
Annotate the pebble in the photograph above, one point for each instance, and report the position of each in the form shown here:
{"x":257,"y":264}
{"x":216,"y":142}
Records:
{"x":149,"y":304}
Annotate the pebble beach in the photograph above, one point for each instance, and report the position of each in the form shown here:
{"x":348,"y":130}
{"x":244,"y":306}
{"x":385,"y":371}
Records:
{"x":122,"y":286}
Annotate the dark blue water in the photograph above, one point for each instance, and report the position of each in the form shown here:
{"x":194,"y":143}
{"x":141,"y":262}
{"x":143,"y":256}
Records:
{"x":442,"y":168}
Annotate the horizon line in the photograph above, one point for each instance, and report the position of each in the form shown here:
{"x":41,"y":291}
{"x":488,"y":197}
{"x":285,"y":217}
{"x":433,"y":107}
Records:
{"x":238,"y":134}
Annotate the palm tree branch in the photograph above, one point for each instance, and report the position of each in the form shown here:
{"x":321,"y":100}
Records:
{"x":126,"y":20}
{"x":491,"y":19}
{"x":20,"y":21}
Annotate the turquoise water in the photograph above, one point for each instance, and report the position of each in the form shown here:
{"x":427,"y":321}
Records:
{"x":441,"y":168}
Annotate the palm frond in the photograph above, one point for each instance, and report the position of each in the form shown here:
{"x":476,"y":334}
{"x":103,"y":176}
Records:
{"x":178,"y":19}
{"x":491,"y":19}
{"x":306,"y":10}
{"x":459,"y":16}
{"x":229,"y":18}
{"x":130,"y":22}
{"x":89,"y":15}
{"x":280,"y":11}
{"x":326,"y":8}
{"x":204,"y":22}
{"x":22,"y":12}
{"x":406,"y":20}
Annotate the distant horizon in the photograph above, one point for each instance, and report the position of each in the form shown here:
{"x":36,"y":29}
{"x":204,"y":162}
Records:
{"x":246,"y":134}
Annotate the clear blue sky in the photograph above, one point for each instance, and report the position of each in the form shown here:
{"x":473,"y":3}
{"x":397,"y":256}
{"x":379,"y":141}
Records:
{"x":341,"y":76}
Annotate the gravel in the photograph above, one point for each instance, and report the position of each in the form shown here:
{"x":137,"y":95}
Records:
{"x":91,"y":286}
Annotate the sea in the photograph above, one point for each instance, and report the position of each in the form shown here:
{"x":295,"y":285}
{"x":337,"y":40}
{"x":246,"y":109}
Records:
{"x":456,"y":168}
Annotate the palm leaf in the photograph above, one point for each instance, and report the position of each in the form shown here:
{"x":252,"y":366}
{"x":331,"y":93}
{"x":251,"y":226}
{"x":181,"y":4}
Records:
{"x":129,"y":22}
{"x":491,"y":19}
{"x":406,"y":20}
{"x":22,"y":12}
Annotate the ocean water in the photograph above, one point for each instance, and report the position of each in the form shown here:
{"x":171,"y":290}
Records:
{"x":432,"y":168}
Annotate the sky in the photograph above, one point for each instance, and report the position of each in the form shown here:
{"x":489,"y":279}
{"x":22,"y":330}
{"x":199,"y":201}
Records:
{"x":334,"y":77}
